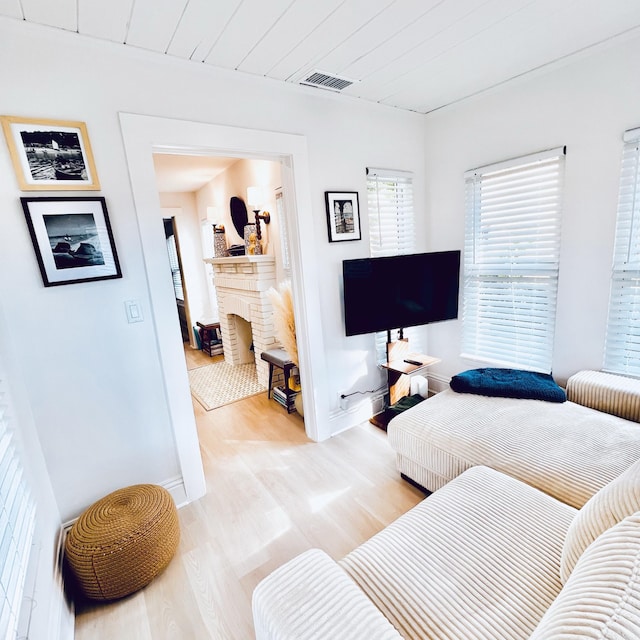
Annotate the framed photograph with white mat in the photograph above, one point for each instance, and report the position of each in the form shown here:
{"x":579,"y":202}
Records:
{"x":343,"y":215}
{"x":72,"y":239}
{"x":50,"y":155}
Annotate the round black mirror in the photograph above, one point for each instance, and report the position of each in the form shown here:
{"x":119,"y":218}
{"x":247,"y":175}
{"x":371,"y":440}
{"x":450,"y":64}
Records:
{"x":238,"y":214}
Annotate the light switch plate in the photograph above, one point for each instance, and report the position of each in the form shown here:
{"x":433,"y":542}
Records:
{"x":134,"y":312}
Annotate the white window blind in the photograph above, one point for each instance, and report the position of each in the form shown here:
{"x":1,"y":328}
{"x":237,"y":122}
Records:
{"x":176,"y":276}
{"x":391,"y":216}
{"x":284,"y":236}
{"x":17,"y":518}
{"x":391,"y":230}
{"x":512,"y":251}
{"x":622,"y":350}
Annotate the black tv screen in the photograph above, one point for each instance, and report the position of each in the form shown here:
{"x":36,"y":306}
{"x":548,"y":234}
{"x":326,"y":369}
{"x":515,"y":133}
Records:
{"x":396,"y":292}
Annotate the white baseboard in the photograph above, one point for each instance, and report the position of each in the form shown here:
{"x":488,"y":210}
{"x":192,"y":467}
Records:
{"x":438,"y":383}
{"x":175,"y":486}
{"x":356,"y":413}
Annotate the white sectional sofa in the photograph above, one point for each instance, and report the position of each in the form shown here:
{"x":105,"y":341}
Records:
{"x":568,"y":450}
{"x":486,"y":557}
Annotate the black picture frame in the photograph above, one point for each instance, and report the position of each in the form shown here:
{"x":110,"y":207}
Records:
{"x":72,"y":239}
{"x":343,"y":215}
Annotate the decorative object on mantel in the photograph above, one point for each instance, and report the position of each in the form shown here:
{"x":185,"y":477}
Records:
{"x":255,"y":196}
{"x":343,"y":215}
{"x":239,"y":217}
{"x":252,"y":245}
{"x":50,"y":155}
{"x":72,"y":239}
{"x":219,"y":241}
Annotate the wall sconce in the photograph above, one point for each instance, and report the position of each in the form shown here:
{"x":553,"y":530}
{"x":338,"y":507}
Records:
{"x":255,"y":198}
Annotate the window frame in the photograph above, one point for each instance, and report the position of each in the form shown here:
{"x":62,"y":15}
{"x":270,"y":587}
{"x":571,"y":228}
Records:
{"x":622,"y":341}
{"x":510,"y":287}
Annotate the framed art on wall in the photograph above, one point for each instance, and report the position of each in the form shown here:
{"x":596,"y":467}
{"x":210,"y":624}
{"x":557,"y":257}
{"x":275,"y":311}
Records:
{"x":50,"y":155}
{"x":72,"y":239}
{"x":343,"y":215}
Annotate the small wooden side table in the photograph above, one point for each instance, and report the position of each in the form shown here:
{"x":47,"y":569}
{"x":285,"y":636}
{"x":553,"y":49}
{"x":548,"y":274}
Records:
{"x":209,"y":342}
{"x":280,"y":358}
{"x":399,"y":376}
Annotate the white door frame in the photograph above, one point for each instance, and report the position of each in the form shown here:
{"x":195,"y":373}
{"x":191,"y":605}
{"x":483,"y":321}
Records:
{"x":145,"y":135}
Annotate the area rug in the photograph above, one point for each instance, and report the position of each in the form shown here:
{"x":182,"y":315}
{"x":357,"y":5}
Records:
{"x":215,"y":385}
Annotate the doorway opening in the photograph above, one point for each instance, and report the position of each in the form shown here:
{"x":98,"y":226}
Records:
{"x":144,"y":135}
{"x":226,"y":295}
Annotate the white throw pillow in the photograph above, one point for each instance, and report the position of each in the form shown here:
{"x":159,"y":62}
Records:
{"x":614,"y":502}
{"x":601,"y":598}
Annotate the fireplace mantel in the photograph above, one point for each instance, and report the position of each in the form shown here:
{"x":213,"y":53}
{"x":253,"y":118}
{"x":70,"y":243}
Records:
{"x":241,"y":284}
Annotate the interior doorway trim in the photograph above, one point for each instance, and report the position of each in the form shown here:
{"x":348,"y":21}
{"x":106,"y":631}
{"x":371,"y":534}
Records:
{"x":145,"y":135}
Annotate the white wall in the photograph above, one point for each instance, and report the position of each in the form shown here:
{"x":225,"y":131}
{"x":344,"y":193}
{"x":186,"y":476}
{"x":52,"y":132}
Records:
{"x":94,"y":381}
{"x":585,"y":105}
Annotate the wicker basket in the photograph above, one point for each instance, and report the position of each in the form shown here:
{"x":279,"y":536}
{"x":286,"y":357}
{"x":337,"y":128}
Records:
{"x":123,"y":541}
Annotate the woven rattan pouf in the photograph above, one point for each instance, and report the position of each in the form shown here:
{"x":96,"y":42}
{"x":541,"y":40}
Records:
{"x":123,"y":541}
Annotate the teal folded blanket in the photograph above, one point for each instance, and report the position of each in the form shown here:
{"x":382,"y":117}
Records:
{"x":509,"y":383}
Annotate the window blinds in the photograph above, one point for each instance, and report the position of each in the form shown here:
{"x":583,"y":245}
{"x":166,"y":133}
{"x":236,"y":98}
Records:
{"x":391,"y":217}
{"x":391,"y":229}
{"x":17,"y":517}
{"x":176,"y":276}
{"x":284,"y":235}
{"x":512,"y":248}
{"x":622,"y":350}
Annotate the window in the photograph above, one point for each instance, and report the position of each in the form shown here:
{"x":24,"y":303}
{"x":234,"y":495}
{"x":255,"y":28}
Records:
{"x":17,"y":517}
{"x":391,"y":229}
{"x":391,"y":218}
{"x":175,"y":267}
{"x":511,"y":259}
{"x":284,"y":236}
{"x":622,"y":350}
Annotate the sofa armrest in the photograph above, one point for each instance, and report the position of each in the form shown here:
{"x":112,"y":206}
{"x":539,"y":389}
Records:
{"x":606,"y":392}
{"x":312,"y":598}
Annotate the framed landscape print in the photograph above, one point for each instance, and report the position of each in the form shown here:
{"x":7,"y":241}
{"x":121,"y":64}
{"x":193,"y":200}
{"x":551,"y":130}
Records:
{"x":72,"y":239}
{"x":343,"y":215}
{"x":50,"y":155}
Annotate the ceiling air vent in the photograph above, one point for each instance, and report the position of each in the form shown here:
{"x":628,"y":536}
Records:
{"x":326,"y":81}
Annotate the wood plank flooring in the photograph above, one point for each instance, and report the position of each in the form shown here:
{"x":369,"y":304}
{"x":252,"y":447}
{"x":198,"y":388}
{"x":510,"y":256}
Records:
{"x":272,"y":494}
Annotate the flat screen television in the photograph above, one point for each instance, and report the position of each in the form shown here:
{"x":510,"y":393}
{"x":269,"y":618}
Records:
{"x":397,"y":292}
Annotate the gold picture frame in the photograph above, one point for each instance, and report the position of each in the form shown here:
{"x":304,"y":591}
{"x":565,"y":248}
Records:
{"x":50,"y":155}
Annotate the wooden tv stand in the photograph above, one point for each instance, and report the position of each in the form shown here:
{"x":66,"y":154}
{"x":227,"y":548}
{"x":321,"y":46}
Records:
{"x":399,"y":375}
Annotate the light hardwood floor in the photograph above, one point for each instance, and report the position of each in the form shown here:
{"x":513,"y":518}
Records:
{"x":272,"y":494}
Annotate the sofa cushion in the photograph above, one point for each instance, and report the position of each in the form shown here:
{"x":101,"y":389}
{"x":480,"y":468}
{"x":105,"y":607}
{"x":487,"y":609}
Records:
{"x":478,"y":559}
{"x":567,"y":450}
{"x":508,"y":383}
{"x":311,"y":597}
{"x":601,"y":599}
{"x":606,"y":392}
{"x":617,"y":500}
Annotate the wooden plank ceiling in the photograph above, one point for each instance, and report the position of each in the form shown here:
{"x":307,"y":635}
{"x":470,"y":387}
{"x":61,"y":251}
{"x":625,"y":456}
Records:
{"x":418,"y":55}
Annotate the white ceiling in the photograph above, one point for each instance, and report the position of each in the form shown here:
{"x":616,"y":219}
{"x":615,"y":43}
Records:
{"x":418,"y":55}
{"x":177,"y":173}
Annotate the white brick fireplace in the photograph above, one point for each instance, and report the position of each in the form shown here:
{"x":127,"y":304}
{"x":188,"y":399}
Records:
{"x":246,"y":314}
